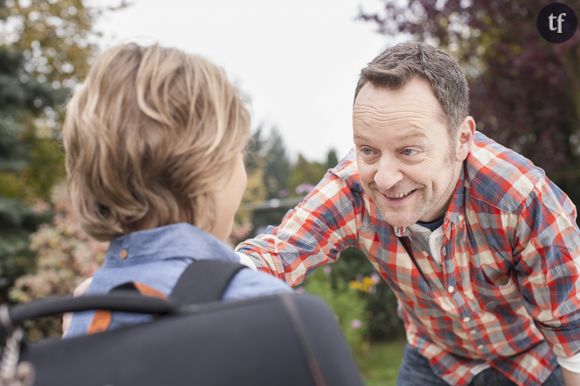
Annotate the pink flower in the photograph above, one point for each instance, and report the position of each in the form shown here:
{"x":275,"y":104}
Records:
{"x":304,"y":188}
{"x":355,"y":324}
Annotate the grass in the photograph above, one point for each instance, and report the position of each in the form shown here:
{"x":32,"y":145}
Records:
{"x":379,"y":365}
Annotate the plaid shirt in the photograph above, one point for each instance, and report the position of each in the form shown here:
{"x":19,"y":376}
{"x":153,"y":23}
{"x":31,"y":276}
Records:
{"x":507,"y":290}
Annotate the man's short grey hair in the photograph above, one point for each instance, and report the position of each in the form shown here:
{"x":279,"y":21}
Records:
{"x":395,"y":66}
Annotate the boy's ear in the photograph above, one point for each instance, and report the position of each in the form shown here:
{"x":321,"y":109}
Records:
{"x":465,"y":136}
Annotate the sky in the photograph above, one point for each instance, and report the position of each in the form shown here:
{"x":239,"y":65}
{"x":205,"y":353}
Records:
{"x":297,"y":61}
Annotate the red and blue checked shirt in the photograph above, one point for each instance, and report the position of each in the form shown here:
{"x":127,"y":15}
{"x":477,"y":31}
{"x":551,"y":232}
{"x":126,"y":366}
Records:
{"x":507,"y":290}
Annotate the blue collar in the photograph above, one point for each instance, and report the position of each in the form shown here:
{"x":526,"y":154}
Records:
{"x":171,"y":241}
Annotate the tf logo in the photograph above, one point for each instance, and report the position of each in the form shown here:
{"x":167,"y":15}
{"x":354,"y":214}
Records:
{"x":557,"y":22}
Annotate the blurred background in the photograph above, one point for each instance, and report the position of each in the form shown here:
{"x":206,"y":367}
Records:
{"x":297,"y":64}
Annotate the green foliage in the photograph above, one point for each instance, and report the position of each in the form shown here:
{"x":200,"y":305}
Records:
{"x":45,"y":48}
{"x":267,"y":158}
{"x":65,"y":256}
{"x":17,"y":220}
{"x":383,"y":322}
{"x":331,"y":159}
{"x":381,"y":319}
{"x":346,"y":304}
{"x":379,"y":366}
{"x":58,"y":38}
{"x":365,"y":306}
{"x":45,"y":168}
{"x":305,"y":172}
{"x":22,"y":100}
{"x":276,"y":167}
{"x":255,"y":150}
{"x":366,"y":314}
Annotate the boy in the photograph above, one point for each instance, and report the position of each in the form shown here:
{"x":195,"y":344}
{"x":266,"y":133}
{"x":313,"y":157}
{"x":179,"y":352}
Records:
{"x":154,"y":140}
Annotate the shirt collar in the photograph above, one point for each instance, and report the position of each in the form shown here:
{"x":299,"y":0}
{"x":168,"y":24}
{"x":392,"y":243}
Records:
{"x":176,"y":240}
{"x":456,"y":206}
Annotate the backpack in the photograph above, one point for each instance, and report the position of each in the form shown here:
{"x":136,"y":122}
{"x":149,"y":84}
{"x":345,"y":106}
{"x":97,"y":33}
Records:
{"x":194,"y":339}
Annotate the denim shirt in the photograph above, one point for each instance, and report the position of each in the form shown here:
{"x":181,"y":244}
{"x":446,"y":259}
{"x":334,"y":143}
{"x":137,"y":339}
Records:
{"x":157,"y":257}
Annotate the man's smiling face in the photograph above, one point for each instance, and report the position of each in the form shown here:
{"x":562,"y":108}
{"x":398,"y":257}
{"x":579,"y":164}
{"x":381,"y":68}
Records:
{"x":407,"y":162}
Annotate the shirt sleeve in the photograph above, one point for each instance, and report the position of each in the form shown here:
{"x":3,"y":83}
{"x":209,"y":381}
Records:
{"x":247,"y":261}
{"x":248,"y":284}
{"x":310,"y":235}
{"x":572,"y":364}
{"x":547,"y":263}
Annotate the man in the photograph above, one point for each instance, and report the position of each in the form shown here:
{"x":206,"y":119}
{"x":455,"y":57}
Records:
{"x":480,"y":248}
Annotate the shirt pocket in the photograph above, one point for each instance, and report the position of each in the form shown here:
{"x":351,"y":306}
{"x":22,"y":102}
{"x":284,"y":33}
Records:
{"x":496,"y":290}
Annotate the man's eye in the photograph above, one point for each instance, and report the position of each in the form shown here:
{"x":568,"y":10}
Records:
{"x":367,"y":151}
{"x":409,"y":152}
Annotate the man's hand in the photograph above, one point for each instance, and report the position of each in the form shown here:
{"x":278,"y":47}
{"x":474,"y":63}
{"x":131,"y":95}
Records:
{"x":570,"y":378}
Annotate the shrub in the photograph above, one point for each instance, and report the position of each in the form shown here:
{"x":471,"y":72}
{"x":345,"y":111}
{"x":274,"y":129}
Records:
{"x":65,"y":256}
{"x":346,"y":304}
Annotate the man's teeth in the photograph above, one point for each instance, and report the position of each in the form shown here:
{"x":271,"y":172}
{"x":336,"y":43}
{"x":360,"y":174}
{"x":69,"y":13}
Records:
{"x":400,"y":195}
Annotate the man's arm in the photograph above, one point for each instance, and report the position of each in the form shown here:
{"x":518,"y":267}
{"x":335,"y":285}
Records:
{"x":547,"y":260}
{"x":570,"y":378}
{"x":313,"y":233}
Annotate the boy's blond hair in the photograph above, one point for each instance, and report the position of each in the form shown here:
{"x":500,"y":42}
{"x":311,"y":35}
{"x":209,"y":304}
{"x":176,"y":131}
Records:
{"x":148,"y":136}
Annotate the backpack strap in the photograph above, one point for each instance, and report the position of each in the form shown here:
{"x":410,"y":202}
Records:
{"x":102,"y":318}
{"x":204,"y":281}
{"x":201,"y":282}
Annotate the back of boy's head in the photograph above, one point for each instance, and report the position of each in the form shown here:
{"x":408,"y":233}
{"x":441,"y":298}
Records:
{"x":147,"y":137}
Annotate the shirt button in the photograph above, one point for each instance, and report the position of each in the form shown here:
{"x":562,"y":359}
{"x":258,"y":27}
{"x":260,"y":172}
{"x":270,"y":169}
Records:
{"x":466,"y":319}
{"x":450,"y":289}
{"x":123,"y":254}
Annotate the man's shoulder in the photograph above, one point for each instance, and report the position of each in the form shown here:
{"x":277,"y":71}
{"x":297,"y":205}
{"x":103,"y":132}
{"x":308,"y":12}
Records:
{"x":499,"y":176}
{"x":346,"y":171}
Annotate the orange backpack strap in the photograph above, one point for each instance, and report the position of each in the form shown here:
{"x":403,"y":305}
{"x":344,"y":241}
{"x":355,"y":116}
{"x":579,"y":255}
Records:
{"x":101,"y":322}
{"x":102,"y":319}
{"x":146,"y":290}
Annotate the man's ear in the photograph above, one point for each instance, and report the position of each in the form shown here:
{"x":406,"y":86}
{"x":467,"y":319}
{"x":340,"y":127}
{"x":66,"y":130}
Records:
{"x":465,"y":136}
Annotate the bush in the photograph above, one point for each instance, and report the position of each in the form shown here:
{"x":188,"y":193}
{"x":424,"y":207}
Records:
{"x":65,"y":256}
{"x":381,"y":319}
{"x":346,"y":304}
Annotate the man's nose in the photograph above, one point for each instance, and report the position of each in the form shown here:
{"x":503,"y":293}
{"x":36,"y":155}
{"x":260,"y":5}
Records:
{"x":388,"y":174}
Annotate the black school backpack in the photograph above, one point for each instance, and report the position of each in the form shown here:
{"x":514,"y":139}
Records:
{"x":281,"y":340}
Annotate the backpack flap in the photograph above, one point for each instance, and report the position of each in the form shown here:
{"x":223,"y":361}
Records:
{"x":255,"y":342}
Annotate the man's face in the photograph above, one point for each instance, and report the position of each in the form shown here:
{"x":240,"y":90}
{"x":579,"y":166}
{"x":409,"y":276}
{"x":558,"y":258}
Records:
{"x":407,"y":162}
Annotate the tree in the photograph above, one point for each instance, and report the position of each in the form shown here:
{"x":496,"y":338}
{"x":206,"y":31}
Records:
{"x":45,"y":48}
{"x":331,"y":159}
{"x":255,"y":189}
{"x":21,"y":100}
{"x":255,"y":150}
{"x":277,"y":166}
{"x":56,"y":41}
{"x":58,"y":38}
{"x":525,"y":92}
{"x":304,"y":173}
{"x":267,"y":157}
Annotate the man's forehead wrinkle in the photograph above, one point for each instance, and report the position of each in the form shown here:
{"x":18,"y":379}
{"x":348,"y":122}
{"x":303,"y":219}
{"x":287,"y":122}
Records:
{"x":401,"y":106}
{"x":379,"y":114}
